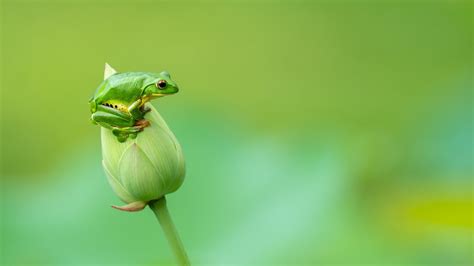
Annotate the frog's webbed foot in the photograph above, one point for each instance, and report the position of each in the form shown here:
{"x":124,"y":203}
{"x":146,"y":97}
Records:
{"x":123,"y":133}
{"x":121,"y":137}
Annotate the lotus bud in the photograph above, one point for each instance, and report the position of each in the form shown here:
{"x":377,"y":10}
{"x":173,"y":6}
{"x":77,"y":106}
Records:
{"x":145,"y":168}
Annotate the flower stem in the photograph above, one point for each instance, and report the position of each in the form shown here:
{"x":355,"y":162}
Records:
{"x":163,"y":215}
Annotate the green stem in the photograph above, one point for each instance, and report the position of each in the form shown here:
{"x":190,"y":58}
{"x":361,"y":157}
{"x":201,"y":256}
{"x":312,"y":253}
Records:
{"x":163,"y":215}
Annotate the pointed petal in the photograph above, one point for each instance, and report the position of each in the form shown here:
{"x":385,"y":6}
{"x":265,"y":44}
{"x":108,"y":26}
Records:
{"x":112,"y":150}
{"x":139,"y":176}
{"x":132,"y":207}
{"x":108,"y":71}
{"x":119,"y":190}
{"x":160,"y":145}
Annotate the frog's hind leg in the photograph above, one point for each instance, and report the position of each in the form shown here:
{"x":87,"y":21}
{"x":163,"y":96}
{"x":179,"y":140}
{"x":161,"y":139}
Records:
{"x":109,"y":116}
{"x":121,"y":124}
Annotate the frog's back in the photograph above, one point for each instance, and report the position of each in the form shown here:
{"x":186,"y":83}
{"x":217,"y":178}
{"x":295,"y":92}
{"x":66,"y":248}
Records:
{"x":126,"y":86}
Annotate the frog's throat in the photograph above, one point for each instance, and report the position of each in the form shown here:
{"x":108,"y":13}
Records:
{"x":158,"y":95}
{"x":146,"y":99}
{"x":151,"y":97}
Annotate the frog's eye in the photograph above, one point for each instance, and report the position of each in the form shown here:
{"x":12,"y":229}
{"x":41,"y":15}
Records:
{"x":161,"y":84}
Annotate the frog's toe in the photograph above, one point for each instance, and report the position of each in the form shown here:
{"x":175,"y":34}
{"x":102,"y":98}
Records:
{"x":116,"y":132}
{"x":133,"y":135}
{"x":122,"y":138}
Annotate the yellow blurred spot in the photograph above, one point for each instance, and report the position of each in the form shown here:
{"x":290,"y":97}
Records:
{"x":440,"y":211}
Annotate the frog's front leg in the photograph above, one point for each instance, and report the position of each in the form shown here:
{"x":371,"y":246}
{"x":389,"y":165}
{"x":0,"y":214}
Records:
{"x":138,"y":109}
{"x":134,"y":109}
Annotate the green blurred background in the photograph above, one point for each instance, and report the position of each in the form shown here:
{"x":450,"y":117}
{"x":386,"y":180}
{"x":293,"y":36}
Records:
{"x":315,"y":132}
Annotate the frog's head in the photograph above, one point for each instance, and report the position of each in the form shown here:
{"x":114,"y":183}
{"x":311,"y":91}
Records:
{"x":162,"y":86}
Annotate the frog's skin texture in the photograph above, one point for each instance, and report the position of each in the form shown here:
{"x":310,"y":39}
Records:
{"x":118,"y":103}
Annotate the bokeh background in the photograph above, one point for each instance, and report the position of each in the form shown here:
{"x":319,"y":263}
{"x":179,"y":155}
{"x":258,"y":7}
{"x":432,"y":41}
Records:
{"x":315,"y":132}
